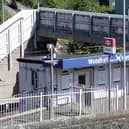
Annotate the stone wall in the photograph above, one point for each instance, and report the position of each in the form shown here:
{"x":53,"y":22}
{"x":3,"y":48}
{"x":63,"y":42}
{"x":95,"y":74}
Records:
{"x":101,"y":121}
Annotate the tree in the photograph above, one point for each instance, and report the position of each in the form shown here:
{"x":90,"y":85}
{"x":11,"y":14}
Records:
{"x":7,"y":15}
{"x":48,"y":3}
{"x":82,"y":5}
{"x":88,"y":5}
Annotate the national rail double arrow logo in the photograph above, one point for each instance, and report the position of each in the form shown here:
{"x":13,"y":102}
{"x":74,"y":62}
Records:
{"x":107,"y":42}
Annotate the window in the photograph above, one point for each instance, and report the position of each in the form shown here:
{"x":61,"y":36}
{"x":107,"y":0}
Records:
{"x":116,"y":77}
{"x":65,"y":82}
{"x":34,"y":79}
{"x":101,"y":76}
{"x":65,"y":73}
{"x":81,"y":80}
{"x":116,"y":74}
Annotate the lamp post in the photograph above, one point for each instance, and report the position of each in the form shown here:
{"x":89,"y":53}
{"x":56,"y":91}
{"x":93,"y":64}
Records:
{"x":124,"y":54}
{"x":51,"y":49}
{"x":3,"y":11}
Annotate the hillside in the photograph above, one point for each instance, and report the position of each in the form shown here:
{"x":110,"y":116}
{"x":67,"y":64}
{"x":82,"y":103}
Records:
{"x":83,"y":5}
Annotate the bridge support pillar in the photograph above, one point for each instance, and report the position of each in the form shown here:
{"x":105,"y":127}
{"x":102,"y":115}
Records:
{"x":21,"y":40}
{"x":9,"y":52}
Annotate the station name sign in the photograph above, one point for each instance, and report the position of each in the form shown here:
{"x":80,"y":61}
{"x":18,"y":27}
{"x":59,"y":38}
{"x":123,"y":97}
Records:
{"x":90,"y":61}
{"x":99,"y":60}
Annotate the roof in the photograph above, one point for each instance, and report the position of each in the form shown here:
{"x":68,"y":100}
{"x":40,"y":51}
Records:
{"x":78,"y":61}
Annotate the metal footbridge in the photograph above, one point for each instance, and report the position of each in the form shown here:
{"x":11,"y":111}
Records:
{"x":80,"y":26}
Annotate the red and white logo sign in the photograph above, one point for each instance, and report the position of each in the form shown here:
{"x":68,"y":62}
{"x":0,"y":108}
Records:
{"x":109,"y":45}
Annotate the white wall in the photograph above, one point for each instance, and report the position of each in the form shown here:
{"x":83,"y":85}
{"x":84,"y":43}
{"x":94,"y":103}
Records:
{"x":25,"y":76}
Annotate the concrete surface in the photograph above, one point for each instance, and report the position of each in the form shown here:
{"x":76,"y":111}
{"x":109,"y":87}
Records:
{"x":119,"y":120}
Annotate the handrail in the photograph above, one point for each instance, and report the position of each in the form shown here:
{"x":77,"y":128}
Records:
{"x":11,"y":24}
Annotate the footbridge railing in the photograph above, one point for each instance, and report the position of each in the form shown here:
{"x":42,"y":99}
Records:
{"x":81,"y":26}
{"x":15,"y":31}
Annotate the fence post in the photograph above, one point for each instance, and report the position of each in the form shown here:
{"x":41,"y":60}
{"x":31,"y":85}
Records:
{"x":80,"y":106}
{"x":41,"y":113}
{"x":51,"y":110}
{"x":117,"y":98}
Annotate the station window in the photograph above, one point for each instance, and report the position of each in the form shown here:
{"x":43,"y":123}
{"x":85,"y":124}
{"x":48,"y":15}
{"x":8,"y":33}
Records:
{"x":65,"y":82}
{"x":101,"y":76}
{"x":116,"y":74}
{"x":34,"y":79}
{"x":65,"y":73}
{"x":81,"y":80}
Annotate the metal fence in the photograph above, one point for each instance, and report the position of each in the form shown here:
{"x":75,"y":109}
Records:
{"x":34,"y":107}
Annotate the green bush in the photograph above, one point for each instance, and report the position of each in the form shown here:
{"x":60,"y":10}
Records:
{"x":29,"y":3}
{"x":7,"y":15}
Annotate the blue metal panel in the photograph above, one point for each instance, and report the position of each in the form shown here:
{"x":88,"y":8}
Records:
{"x":92,"y":61}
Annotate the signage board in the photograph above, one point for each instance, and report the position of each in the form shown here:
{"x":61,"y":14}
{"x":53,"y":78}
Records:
{"x":109,"y":45}
{"x":91,"y":61}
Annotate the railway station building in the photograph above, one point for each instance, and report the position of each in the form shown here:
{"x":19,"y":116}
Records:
{"x":73,"y":71}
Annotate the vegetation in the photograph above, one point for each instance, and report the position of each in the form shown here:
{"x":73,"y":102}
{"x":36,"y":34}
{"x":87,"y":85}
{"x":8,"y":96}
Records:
{"x":81,"y":47}
{"x":82,"y":5}
{"x":29,"y":3}
{"x":7,"y":15}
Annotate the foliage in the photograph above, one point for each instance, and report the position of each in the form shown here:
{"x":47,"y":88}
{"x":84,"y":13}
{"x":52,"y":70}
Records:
{"x":82,"y":5}
{"x":7,"y":15}
{"x":48,"y":3}
{"x":81,"y":47}
{"x":29,"y":3}
{"x":103,"y":9}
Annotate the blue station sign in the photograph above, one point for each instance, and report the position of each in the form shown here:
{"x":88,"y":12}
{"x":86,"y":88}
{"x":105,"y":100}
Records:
{"x":90,"y":61}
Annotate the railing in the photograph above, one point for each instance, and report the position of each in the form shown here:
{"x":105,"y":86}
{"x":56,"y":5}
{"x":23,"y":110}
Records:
{"x":40,"y":106}
{"x":81,"y":26}
{"x":15,"y":31}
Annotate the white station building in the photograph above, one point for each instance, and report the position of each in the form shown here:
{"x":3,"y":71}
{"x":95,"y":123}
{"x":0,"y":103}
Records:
{"x":72,"y":71}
